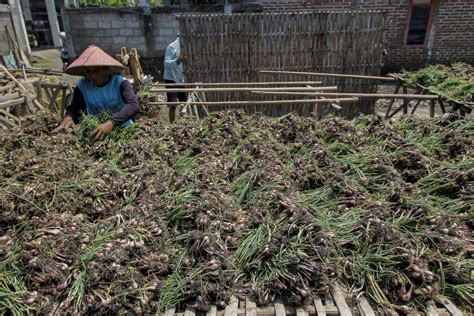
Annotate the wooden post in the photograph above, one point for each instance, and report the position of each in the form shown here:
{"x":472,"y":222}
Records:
{"x":405,"y":101}
{"x":415,"y":106}
{"x":432,"y":108}
{"x":389,"y":108}
{"x":441,"y":105}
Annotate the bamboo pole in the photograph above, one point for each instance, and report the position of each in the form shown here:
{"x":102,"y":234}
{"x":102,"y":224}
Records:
{"x":245,"y":89}
{"x":217,"y":84}
{"x":11,"y":103}
{"x":325,"y":74}
{"x":11,"y":116}
{"x":39,"y":71}
{"x":359,"y":95}
{"x":341,"y":100}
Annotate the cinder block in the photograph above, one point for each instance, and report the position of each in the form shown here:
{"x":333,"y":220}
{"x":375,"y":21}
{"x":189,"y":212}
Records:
{"x":134,"y":41}
{"x":127,"y":32}
{"x":119,"y":40}
{"x":132,"y":24}
{"x":167,"y":32}
{"x":119,"y":23}
{"x":138,"y":32}
{"x":104,"y":24}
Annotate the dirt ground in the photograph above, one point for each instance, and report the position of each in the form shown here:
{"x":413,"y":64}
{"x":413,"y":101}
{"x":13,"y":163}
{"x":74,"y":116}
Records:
{"x":50,"y":59}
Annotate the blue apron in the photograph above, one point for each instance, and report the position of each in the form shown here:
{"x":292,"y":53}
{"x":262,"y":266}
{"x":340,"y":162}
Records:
{"x":103,"y":99}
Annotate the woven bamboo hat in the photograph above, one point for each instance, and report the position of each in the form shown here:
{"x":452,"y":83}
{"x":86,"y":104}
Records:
{"x":93,"y":56}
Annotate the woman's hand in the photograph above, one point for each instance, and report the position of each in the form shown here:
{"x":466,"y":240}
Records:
{"x":103,"y":130}
{"x":66,"y":123}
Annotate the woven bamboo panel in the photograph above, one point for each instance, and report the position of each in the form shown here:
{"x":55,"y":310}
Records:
{"x":235,"y":47}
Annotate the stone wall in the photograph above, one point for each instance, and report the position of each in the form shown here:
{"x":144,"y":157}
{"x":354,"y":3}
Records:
{"x":5,"y":19}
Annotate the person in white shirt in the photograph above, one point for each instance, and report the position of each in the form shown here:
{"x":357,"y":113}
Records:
{"x":173,"y":73}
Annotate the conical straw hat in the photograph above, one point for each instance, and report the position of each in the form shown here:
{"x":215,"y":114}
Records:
{"x":93,"y":56}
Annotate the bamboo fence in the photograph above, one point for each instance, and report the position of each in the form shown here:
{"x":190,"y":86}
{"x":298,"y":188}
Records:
{"x":235,"y":47}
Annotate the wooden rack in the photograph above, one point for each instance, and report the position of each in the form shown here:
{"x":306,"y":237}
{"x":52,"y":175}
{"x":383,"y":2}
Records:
{"x":443,"y":102}
{"x":313,"y":93}
{"x":333,"y":304}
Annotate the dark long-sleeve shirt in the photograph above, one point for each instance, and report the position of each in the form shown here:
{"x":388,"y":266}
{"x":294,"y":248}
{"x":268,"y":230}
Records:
{"x":130,"y":109}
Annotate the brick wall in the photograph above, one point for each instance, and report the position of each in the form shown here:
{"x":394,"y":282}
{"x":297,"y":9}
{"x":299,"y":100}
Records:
{"x":453,"y":29}
{"x":454,"y":32}
{"x":5,"y":19}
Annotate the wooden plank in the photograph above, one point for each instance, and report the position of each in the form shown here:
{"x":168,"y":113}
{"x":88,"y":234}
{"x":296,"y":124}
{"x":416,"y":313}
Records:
{"x":170,"y":311}
{"x":300,"y":311}
{"x":266,"y":311}
{"x":318,"y":304}
{"x":365,"y":307}
{"x":250,"y":308}
{"x":331,"y":310}
{"x":449,"y":306}
{"x":431,"y":309}
{"x":212,"y":311}
{"x":340,"y":301}
{"x":189,"y":311}
{"x":231,"y":309}
{"x":328,"y":300}
{"x":279,"y":308}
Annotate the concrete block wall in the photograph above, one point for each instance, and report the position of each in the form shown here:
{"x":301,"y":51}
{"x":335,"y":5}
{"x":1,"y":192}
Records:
{"x":5,"y":19}
{"x":113,"y":28}
{"x":165,"y":30}
{"x":110,"y":29}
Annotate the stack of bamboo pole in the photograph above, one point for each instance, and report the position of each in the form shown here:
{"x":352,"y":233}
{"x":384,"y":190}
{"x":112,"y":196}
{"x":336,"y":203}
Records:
{"x":15,"y":98}
{"x":25,"y":91}
{"x":313,"y":99}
